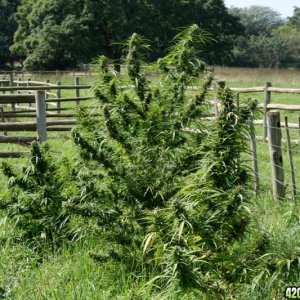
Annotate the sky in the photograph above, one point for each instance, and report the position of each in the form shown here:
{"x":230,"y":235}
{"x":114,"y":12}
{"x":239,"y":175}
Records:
{"x":284,"y":7}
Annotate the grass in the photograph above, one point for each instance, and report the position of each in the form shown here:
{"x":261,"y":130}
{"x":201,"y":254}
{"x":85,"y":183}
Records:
{"x":73,"y":274}
{"x":250,"y":77}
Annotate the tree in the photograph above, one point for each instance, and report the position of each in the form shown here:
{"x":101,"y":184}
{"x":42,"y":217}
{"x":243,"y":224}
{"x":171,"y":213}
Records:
{"x":7,"y":29}
{"x":290,"y":33}
{"x":261,"y":46}
{"x":260,"y":51}
{"x":166,"y":17}
{"x":256,"y":19}
{"x":56,"y":34}
{"x":294,"y":21}
{"x":51,"y":34}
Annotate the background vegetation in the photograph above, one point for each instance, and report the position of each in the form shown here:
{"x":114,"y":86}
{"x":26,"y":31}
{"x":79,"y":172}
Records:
{"x":57,"y":34}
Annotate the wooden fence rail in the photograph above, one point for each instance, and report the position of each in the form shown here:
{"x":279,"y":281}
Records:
{"x":43,"y":96}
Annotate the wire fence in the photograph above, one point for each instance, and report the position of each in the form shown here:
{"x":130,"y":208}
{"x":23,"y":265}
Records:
{"x":275,"y":159}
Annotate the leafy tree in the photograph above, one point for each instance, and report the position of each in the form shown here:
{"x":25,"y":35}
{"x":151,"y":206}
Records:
{"x":167,"y":16}
{"x":55,"y":34}
{"x":260,"y":51}
{"x":261,"y":46}
{"x":290,"y":33}
{"x":294,"y":21}
{"x":256,"y":19}
{"x":51,"y":34}
{"x":7,"y":29}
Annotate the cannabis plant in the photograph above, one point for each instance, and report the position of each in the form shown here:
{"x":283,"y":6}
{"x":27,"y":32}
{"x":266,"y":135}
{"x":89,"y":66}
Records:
{"x":192,"y":238}
{"x":141,"y":147}
{"x":35,"y":200}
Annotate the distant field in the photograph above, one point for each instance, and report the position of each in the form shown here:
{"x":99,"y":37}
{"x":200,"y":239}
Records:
{"x":248,"y":77}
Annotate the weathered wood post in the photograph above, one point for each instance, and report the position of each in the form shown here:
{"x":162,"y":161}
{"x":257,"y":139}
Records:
{"x":267,"y":100}
{"x":3,"y":118}
{"x":41,"y":125}
{"x":11,"y":83}
{"x":58,"y":96}
{"x":274,"y":138}
{"x":254,"y":155}
{"x":28,"y":84}
{"x":47,"y":93}
{"x":77,"y":89}
{"x":220,"y":85}
{"x":19,"y":84}
{"x":290,"y":156}
{"x":11,"y":79}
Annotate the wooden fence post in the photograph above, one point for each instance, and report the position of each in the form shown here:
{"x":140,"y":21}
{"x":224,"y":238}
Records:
{"x":274,"y":138}
{"x":290,"y":156}
{"x":267,"y":100}
{"x":3,"y":118}
{"x":254,"y":154}
{"x":77,"y":90}
{"x":28,"y":84}
{"x":41,"y":124}
{"x":220,"y":85}
{"x":47,"y":93}
{"x":11,"y":83}
{"x":19,"y":84}
{"x":58,"y":95}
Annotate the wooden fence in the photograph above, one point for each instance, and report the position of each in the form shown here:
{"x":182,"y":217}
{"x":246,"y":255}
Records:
{"x":43,"y":102}
{"x":85,"y":71}
{"x":273,"y":126}
{"x":38,"y":101}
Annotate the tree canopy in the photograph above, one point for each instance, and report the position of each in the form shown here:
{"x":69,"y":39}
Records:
{"x":61,"y":34}
{"x":260,"y":46}
{"x":58,"y":34}
{"x":7,"y":29}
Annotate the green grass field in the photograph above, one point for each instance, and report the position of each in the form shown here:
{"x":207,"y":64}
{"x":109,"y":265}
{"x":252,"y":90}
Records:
{"x":73,"y":274}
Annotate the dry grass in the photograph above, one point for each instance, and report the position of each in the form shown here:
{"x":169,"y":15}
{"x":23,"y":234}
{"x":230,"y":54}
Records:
{"x":249,"y":77}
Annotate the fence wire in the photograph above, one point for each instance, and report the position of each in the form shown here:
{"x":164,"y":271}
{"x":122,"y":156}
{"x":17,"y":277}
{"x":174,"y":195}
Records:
{"x":290,"y":154}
